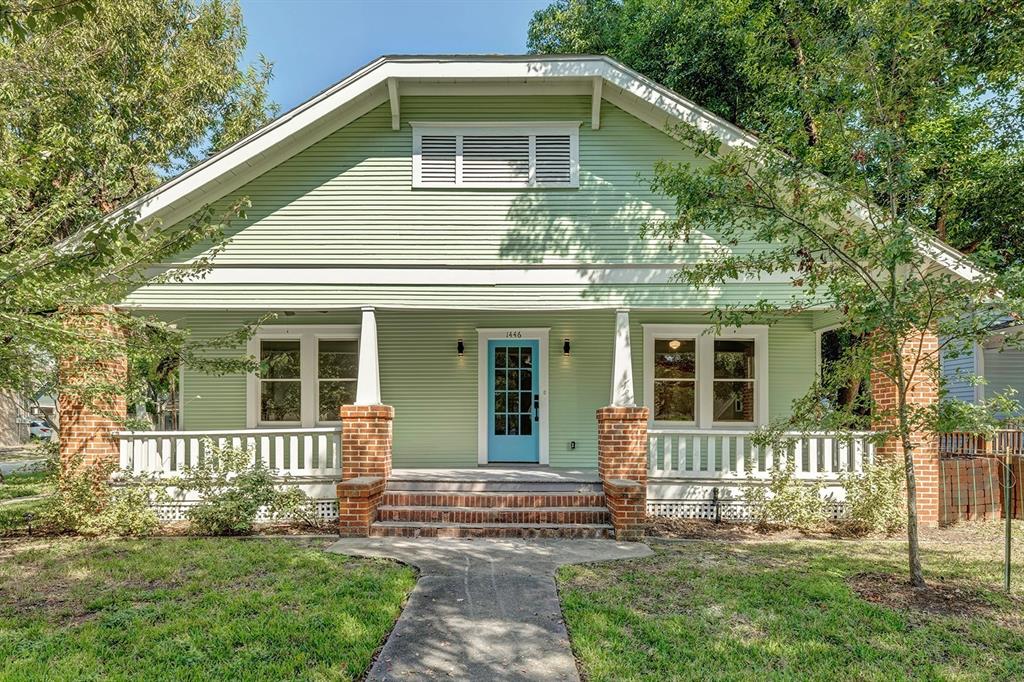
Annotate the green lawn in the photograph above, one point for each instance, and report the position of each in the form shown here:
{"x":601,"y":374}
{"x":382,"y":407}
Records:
{"x":24,"y":485}
{"x":195,"y":609}
{"x":773,"y":611}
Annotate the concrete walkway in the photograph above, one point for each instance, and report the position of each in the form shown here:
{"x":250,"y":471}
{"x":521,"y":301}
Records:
{"x":482,"y":609}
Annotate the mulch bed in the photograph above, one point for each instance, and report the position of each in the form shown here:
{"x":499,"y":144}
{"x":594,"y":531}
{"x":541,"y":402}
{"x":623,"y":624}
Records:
{"x":937,"y":598}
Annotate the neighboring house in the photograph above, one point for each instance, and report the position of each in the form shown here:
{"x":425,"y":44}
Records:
{"x":458,"y":238}
{"x":14,"y":418}
{"x":999,"y":364}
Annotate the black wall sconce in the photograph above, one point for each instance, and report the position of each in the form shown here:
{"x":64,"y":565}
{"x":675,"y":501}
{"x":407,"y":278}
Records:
{"x":461,"y":348}
{"x":565,"y":347}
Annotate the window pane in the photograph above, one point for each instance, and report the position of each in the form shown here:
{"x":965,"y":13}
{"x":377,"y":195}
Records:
{"x":525,"y":425}
{"x":337,"y":359}
{"x":279,"y":359}
{"x":734,"y":359}
{"x":674,"y":401}
{"x":334,"y":394}
{"x":280,"y":401}
{"x":734,"y":401}
{"x":675,"y":358}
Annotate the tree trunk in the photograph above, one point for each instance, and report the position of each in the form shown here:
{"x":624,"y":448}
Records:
{"x":913,"y":545}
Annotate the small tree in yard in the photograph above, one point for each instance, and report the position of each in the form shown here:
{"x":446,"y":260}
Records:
{"x":99,"y":101}
{"x":879,"y":125}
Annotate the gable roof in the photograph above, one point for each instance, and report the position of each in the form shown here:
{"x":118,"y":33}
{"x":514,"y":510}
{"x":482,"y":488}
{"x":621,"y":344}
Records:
{"x":386,"y":79}
{"x":389,"y":77}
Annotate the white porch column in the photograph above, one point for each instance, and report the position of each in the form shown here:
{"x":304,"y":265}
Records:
{"x":622,"y":363}
{"x":368,"y":379}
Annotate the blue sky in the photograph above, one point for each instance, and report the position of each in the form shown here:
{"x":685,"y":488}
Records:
{"x":314,"y":43}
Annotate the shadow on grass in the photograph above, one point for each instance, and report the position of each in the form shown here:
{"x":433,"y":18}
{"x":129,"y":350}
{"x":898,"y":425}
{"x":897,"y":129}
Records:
{"x":783,"y":610}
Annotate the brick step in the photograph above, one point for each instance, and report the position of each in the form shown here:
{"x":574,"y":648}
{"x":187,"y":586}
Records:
{"x":492,"y":486}
{"x":503,"y":515}
{"x":490,"y":530}
{"x":408,"y":498}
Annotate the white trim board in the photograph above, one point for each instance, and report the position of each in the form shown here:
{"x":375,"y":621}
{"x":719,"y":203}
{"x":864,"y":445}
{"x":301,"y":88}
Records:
{"x":577,"y":276}
{"x":308,"y":335}
{"x":484,"y":335}
{"x":705,"y":346}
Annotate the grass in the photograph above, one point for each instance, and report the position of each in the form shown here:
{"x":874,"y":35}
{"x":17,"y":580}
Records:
{"x":24,"y":484}
{"x":196,"y":609}
{"x":12,"y":516}
{"x":785,"y":610}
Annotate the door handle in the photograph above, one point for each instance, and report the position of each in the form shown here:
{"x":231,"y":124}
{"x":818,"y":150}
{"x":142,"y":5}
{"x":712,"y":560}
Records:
{"x":536,"y":407}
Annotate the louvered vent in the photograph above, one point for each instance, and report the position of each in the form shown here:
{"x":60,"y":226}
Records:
{"x":498,"y":155}
{"x":554,"y":159}
{"x":495,"y":159}
{"x":438,"y":154}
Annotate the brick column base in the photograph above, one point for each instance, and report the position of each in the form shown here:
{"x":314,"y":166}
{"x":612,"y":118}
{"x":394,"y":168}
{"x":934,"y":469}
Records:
{"x":923,"y":392}
{"x":91,"y":404}
{"x":622,"y":465}
{"x":357,"y":504}
{"x":366,"y":441}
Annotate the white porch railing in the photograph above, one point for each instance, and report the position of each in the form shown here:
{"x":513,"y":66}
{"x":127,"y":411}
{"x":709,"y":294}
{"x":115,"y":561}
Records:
{"x":289,"y":452}
{"x":717,"y":454}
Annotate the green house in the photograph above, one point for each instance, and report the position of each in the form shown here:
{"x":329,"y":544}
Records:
{"x":459,"y":238}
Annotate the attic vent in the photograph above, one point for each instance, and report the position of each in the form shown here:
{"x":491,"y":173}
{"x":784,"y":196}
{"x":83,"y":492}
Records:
{"x":496,"y":155}
{"x":439,"y":159}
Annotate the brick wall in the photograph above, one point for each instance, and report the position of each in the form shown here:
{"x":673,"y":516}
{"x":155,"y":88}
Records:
{"x":90,"y":404}
{"x":622,"y":465}
{"x":366,"y":440}
{"x":923,"y":391}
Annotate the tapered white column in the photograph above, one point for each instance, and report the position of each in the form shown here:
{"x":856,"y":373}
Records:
{"x":368,"y":380}
{"x":622,"y":363}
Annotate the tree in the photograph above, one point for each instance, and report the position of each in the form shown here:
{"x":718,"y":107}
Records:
{"x":750,"y":60}
{"x":848,"y":212}
{"x":96,"y":107}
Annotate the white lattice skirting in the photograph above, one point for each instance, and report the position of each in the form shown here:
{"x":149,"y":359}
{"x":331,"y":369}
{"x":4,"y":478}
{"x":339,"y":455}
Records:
{"x":178,"y":511}
{"x":728,"y":510}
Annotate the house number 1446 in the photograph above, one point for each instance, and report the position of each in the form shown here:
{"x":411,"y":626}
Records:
{"x":513,"y":334}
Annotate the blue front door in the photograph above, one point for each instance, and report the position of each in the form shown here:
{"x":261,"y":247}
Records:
{"x":513,"y":413}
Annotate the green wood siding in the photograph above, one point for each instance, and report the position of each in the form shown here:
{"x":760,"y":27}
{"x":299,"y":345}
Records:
{"x":434,"y":392}
{"x":348,"y":201}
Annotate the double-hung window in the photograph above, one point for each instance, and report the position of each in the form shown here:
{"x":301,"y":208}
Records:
{"x":495,"y":155}
{"x":694,"y":378}
{"x":305,"y":374}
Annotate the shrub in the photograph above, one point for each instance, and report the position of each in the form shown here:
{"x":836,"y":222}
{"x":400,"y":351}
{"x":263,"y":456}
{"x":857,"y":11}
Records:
{"x":875,"y":498}
{"x":85,"y":502}
{"x":232,"y":487}
{"x":785,"y":501}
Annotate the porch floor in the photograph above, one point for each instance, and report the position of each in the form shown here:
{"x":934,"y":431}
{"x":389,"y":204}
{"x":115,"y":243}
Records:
{"x":499,"y":474}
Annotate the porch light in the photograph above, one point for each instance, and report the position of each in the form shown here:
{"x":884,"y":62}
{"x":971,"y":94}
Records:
{"x":461,"y":348}
{"x":674,"y":344}
{"x":565,"y":347}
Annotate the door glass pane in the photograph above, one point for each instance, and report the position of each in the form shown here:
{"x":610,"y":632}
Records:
{"x":513,"y":380}
{"x":499,"y":380}
{"x":513,"y":402}
{"x":526,"y":357}
{"x":513,"y":357}
{"x":734,"y":359}
{"x":279,"y":359}
{"x":499,"y":402}
{"x":499,"y":357}
{"x":675,"y":401}
{"x":525,"y":425}
{"x":499,"y":425}
{"x":280,"y":401}
{"x":734,"y":401}
{"x":337,"y":359}
{"x":334,"y":394}
{"x":513,"y":425}
{"x":675,"y":358}
{"x":525,"y":380}
{"x":526,"y":401}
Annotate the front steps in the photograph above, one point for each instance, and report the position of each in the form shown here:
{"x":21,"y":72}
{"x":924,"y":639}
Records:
{"x":536,"y":505}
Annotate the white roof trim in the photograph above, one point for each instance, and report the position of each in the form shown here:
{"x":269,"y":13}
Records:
{"x":378,"y":82}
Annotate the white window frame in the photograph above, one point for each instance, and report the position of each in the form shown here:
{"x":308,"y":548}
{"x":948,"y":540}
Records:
{"x":532,"y":129}
{"x":705,"y":337}
{"x":309,"y":337}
